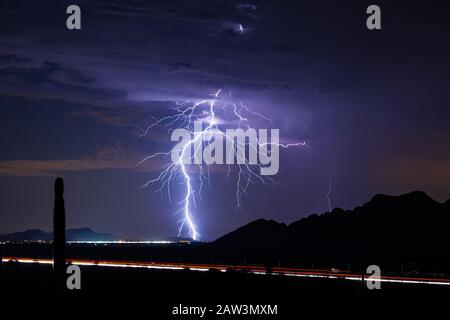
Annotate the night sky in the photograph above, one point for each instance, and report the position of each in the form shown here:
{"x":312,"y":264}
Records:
{"x":373,"y":106}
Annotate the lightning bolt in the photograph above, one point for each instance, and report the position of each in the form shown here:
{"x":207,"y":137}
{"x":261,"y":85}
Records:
{"x":330,"y":186}
{"x":184,"y":115}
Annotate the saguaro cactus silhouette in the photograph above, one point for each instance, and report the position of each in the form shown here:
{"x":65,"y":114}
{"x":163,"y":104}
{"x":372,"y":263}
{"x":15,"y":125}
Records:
{"x":59,"y":236}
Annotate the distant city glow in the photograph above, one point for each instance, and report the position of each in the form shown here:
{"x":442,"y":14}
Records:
{"x":127,"y":242}
{"x":105,"y":242}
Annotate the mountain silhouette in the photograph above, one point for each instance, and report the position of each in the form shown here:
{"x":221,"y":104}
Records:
{"x":257,"y":233}
{"x":408,"y":228}
{"x":447,"y":205}
{"x":81,"y":234}
{"x":31,"y":234}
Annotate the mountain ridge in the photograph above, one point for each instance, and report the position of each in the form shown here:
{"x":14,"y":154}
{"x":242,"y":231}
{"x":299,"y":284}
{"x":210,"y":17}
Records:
{"x":74,"y":234}
{"x":410,"y":226}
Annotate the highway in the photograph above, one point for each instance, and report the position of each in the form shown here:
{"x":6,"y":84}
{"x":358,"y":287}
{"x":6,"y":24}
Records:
{"x":293,"y":272}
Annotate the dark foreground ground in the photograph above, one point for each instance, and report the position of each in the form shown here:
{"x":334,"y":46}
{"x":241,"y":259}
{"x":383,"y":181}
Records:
{"x":34,"y":281}
{"x":160,"y":291}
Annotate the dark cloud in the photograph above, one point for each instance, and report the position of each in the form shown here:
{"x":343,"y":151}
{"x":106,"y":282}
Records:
{"x":180,"y":66}
{"x":371,"y":102}
{"x":8,"y":60}
{"x":48,"y":73}
{"x":106,"y":158}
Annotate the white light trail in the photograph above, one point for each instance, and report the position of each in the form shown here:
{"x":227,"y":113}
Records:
{"x":291,"y":272}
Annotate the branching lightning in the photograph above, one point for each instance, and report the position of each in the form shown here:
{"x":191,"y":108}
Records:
{"x":183,"y":116}
{"x":330,"y":186}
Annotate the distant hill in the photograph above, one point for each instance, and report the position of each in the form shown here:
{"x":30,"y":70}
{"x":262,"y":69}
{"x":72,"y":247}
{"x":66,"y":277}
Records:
{"x":86,"y":234}
{"x":446,"y":205}
{"x":81,"y":234}
{"x":259,"y":233}
{"x":410,"y":227}
{"x":32,"y":234}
